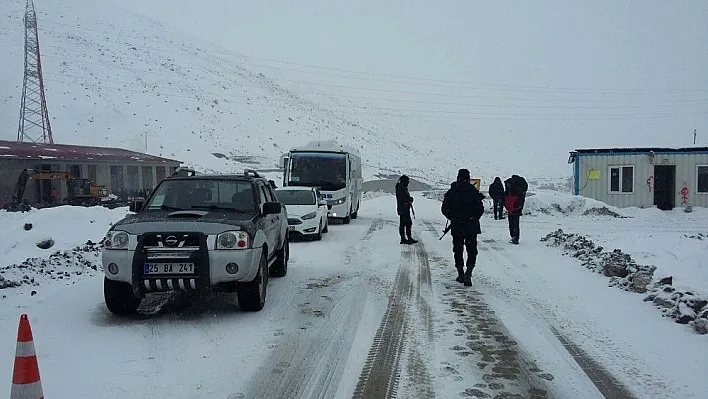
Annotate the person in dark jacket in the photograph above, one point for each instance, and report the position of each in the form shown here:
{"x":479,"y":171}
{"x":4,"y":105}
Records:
{"x":496,"y":191}
{"x":515,"y":198}
{"x":404,"y":204}
{"x":463,"y":206}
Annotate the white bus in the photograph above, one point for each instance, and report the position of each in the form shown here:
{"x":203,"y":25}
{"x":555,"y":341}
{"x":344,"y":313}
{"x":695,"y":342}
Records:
{"x":334,"y":169}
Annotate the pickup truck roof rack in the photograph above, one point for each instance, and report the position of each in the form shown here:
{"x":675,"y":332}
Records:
{"x":251,"y":172}
{"x":184,"y":172}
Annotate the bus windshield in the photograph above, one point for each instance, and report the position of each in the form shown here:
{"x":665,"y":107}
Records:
{"x":328,"y":171}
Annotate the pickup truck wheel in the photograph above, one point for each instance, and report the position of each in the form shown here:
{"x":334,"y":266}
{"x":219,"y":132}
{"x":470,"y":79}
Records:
{"x":280,"y":266}
{"x":253,"y":296}
{"x":119,"y":297}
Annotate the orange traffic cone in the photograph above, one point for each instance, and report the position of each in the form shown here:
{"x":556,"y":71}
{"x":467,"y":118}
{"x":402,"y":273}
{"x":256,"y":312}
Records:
{"x":25,"y":376}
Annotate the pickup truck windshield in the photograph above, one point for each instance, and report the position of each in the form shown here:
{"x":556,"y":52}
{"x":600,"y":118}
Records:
{"x":223,"y":195}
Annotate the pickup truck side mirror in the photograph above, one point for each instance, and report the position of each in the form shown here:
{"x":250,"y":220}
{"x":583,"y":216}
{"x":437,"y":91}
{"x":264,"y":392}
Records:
{"x":271,"y":208}
{"x":136,"y":205}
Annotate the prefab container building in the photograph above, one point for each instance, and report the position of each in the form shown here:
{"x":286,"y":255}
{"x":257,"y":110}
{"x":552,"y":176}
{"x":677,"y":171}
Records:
{"x":642,"y":177}
{"x":121,"y":171}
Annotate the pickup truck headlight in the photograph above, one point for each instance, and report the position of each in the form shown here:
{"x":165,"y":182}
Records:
{"x":338,"y":201}
{"x":232,"y":240}
{"x":309,"y":216}
{"x":116,"y":240}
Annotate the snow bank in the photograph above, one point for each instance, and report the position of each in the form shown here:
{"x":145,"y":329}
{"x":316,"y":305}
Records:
{"x":685,"y":307}
{"x":60,"y":265}
{"x":551,"y":203}
{"x":563,"y":204}
{"x":70,"y":235}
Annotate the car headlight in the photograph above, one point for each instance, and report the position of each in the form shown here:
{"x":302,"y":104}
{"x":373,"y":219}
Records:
{"x":116,"y":240}
{"x":338,"y":201}
{"x":232,"y":240}
{"x":309,"y":216}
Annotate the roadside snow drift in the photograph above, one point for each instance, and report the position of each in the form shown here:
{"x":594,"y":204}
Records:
{"x":75,"y":234}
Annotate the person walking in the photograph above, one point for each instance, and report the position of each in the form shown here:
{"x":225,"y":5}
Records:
{"x":515,"y":198}
{"x":404,"y":204}
{"x":463,"y":207}
{"x":496,"y":191}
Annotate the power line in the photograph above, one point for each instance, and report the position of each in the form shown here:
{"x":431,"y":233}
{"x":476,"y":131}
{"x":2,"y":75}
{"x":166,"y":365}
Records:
{"x":409,"y":79}
{"x":436,"y":113}
{"x":443,"y":95}
{"x":460,"y":104}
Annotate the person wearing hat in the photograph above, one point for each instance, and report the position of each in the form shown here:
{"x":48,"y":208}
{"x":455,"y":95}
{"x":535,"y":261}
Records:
{"x":404,"y":203}
{"x":463,"y":207}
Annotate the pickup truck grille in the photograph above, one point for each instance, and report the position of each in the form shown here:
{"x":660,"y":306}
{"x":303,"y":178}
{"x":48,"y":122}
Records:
{"x":158,"y":252}
{"x":168,"y":240}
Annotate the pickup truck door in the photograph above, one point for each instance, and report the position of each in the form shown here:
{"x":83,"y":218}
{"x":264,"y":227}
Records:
{"x":280,"y":220}
{"x":269,"y":221}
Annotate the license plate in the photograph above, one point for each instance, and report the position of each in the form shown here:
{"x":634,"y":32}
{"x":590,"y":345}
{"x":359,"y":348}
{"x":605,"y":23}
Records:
{"x":169,"y":268}
{"x":291,"y":228}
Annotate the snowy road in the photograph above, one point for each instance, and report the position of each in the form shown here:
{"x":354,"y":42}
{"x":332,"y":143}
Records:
{"x":359,"y":315}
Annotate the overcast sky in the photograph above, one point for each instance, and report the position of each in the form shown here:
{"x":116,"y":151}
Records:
{"x":588,"y":73}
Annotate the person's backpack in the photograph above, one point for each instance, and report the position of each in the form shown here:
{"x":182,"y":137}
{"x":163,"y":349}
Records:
{"x":521,"y":186}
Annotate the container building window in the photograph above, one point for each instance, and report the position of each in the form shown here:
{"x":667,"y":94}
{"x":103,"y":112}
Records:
{"x":622,"y":179}
{"x":702,"y":183}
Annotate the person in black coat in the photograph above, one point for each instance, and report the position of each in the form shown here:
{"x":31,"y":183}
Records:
{"x":463,"y":206}
{"x":496,"y":191}
{"x":404,"y":204}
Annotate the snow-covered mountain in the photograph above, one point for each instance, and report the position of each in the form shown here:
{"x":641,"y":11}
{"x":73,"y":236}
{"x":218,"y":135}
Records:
{"x":160,"y":77}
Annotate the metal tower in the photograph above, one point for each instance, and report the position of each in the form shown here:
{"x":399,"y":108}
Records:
{"x":34,"y":118}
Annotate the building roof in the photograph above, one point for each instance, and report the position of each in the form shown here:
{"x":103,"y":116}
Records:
{"x":641,"y":150}
{"x":63,"y":152}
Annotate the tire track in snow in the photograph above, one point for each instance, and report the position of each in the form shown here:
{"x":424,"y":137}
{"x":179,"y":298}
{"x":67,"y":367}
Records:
{"x":603,"y":380}
{"x":421,"y":341}
{"x":380,"y":376}
{"x":309,"y":360}
{"x":486,"y":347}
{"x":424,"y":292}
{"x":430,"y":228}
{"x":505,"y":370}
{"x":398,"y":340}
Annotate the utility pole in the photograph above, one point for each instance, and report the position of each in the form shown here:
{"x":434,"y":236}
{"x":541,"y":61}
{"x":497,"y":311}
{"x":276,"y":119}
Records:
{"x":34,"y":119}
{"x":694,"y":136}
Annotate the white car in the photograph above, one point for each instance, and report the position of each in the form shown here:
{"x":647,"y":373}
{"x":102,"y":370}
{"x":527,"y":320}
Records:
{"x":307,"y":212}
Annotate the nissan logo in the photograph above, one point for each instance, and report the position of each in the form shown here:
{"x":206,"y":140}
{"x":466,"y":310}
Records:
{"x":171,"y":241}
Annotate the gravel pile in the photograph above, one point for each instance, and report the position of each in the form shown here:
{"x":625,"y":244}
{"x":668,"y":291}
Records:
{"x":683,"y":307}
{"x":61,"y":265}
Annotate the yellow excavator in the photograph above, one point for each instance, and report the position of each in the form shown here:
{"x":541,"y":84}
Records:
{"x":81,"y":190}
